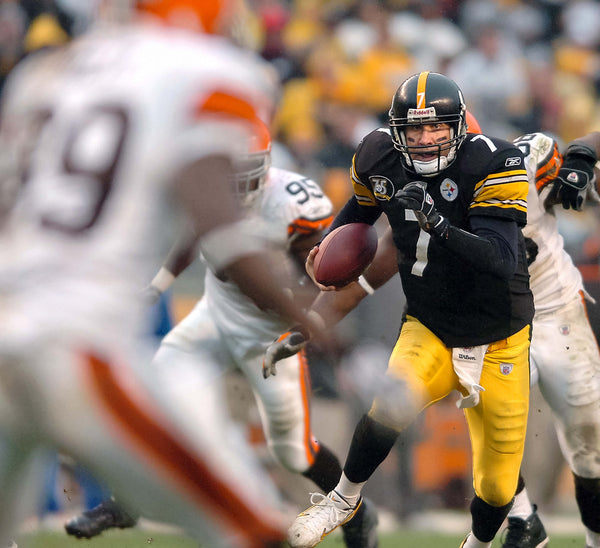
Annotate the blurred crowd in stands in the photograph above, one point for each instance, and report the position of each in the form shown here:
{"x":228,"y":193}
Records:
{"x":524,"y":65}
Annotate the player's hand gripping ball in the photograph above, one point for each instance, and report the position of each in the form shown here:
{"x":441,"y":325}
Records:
{"x":344,"y":254}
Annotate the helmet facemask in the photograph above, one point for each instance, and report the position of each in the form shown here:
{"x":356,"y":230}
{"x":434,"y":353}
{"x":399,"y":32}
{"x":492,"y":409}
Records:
{"x":250,"y":176}
{"x":434,"y":166}
{"x":251,"y":164}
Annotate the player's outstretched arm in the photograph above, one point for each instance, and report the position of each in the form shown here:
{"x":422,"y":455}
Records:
{"x":330,"y":307}
{"x":333,"y":306}
{"x":180,"y":256}
{"x":228,"y":245}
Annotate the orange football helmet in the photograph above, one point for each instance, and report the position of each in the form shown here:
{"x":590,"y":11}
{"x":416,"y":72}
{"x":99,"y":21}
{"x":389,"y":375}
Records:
{"x":209,"y":16}
{"x":472,"y":123}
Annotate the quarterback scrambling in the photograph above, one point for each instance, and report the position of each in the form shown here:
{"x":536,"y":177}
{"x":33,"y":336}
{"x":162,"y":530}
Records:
{"x":455,"y":202}
{"x":564,"y":354}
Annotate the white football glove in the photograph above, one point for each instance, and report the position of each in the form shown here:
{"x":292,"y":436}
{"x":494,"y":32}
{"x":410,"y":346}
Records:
{"x":287,"y":345}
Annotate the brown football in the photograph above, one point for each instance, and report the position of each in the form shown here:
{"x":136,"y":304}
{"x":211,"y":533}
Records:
{"x":345,"y":253}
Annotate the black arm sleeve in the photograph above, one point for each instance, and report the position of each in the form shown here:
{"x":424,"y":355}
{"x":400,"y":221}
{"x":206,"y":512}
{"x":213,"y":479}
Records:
{"x":352,"y":212}
{"x":492,"y":247}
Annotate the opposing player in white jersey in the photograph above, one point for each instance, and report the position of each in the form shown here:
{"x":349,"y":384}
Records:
{"x":227,"y":329}
{"x":565,"y":360}
{"x":118,"y":139}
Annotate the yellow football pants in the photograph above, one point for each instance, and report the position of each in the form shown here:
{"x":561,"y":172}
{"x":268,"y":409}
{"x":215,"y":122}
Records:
{"x":421,"y":366}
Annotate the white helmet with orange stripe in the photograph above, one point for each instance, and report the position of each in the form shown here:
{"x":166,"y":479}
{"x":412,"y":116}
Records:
{"x":209,"y":16}
{"x":206,"y":16}
{"x":252,"y":167}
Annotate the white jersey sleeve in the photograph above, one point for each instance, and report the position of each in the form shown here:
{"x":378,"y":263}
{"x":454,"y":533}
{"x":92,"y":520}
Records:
{"x":555,"y":280}
{"x":294,"y":205}
{"x":291,"y":204}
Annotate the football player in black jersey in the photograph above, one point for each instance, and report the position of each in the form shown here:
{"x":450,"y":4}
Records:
{"x":455,"y":202}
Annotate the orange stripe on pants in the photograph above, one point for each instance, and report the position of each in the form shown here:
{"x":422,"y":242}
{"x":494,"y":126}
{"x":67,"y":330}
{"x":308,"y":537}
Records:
{"x":204,"y":486}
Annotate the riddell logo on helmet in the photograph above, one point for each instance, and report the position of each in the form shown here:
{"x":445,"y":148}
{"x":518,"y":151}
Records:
{"x":421,"y":112}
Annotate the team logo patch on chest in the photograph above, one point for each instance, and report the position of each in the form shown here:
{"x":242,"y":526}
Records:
{"x":383,"y":188}
{"x":449,"y":190}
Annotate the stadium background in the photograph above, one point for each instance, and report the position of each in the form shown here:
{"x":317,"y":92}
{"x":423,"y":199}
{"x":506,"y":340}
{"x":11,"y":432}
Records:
{"x":524,"y":65}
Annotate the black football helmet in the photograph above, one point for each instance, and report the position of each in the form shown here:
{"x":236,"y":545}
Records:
{"x":428,"y":98}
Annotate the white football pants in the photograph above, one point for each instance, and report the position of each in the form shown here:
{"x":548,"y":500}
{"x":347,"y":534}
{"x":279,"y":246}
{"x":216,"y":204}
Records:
{"x":162,"y":446}
{"x":566,"y":361}
{"x":282,"y":400}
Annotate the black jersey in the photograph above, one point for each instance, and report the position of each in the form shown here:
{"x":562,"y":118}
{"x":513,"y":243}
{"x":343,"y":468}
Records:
{"x":462,"y":305}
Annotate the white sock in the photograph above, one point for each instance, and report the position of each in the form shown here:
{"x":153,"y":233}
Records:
{"x":472,"y":542}
{"x":592,"y":539}
{"x":349,"y":490}
{"x":521,"y":507}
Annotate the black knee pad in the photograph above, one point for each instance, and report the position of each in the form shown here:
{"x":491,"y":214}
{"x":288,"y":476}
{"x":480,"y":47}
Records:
{"x":587,"y":494}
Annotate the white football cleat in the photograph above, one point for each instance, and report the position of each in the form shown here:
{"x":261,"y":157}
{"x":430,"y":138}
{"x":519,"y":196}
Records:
{"x":325,"y":515}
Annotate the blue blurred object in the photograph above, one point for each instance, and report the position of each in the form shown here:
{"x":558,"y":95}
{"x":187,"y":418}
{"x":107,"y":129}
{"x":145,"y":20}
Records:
{"x":163,"y":315}
{"x":55,"y":496}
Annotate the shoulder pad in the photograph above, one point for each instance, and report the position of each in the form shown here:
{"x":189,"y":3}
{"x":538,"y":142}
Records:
{"x":373,"y":147}
{"x":290,"y":198}
{"x":542,"y":158}
{"x":481,"y":153}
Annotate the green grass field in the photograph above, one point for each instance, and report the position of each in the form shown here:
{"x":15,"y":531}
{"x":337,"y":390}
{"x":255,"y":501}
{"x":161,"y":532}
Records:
{"x":135,"y":538}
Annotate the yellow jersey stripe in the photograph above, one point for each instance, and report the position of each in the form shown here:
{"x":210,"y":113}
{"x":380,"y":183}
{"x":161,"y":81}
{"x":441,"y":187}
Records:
{"x":502,"y":204}
{"x":516,"y":174}
{"x":502,"y":190}
{"x":363,"y":194}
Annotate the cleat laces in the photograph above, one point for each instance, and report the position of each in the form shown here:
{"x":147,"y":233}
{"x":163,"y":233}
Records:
{"x":326,"y":514}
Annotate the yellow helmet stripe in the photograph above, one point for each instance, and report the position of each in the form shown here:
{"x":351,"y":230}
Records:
{"x":421,"y":89}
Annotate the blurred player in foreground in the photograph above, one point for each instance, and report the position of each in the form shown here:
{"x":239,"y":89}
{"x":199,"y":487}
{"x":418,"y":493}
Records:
{"x":120,"y":139}
{"x":228,"y":330}
{"x":455,"y":202}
